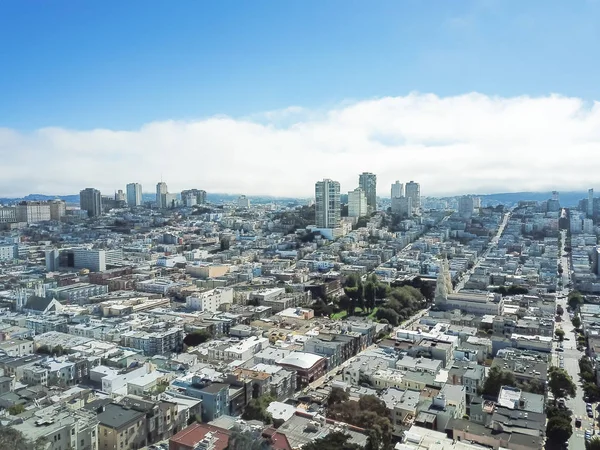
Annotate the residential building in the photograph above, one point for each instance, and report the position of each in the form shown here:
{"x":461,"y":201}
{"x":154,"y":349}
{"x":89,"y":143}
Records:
{"x":402,"y":206}
{"x":134,"y":194}
{"x":7,"y":252}
{"x":397,"y":190}
{"x":368,"y":183}
{"x":466,"y":206}
{"x":200,"y":436}
{"x":357,"y":203}
{"x":191,"y":197}
{"x":32,"y":212}
{"x":161,"y":195}
{"x":58,"y":209}
{"x":308,"y":367}
{"x":327,"y":203}
{"x":90,"y":200}
{"x":210,"y":300}
{"x":413,"y":191}
{"x":8,"y":214}
{"x":243,"y":202}
{"x":121,"y":427}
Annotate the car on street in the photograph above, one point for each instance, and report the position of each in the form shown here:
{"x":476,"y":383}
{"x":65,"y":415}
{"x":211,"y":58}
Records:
{"x":559,"y":350}
{"x":578,"y":422}
{"x":590,"y":414}
{"x":588,"y":435}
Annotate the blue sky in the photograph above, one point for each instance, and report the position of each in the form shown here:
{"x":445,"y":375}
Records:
{"x":266,"y":97}
{"x":121,"y":64}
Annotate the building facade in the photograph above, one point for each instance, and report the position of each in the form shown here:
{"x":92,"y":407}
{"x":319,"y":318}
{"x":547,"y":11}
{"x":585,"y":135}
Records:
{"x":413,"y":191}
{"x":327,"y":203}
{"x":397,"y":190}
{"x":368,"y":183}
{"x":134,"y":194}
{"x":357,"y":203}
{"x":90,"y":200}
{"x":161,"y":194}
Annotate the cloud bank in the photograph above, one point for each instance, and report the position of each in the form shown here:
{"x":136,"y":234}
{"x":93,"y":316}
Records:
{"x":464,"y":144}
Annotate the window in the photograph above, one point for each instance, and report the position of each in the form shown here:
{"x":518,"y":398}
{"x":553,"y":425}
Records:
{"x":82,"y":442}
{"x":73,"y":432}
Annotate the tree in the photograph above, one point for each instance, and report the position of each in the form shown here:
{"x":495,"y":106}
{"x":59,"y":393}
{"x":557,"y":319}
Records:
{"x":560,"y":383}
{"x":11,"y":439}
{"x":559,"y":310}
{"x":576,"y":321}
{"x":225,"y":244}
{"x":246,"y":440}
{"x":257,"y":409}
{"x":559,"y":429}
{"x":332,"y":441}
{"x":370,"y":294}
{"x":594,"y":443}
{"x":17,"y":409}
{"x":196,"y":338}
{"x":496,"y":379}
{"x":592,"y":391}
{"x":575,"y":299}
{"x":337,"y":395}
{"x":387,"y":314}
{"x":560,"y":334}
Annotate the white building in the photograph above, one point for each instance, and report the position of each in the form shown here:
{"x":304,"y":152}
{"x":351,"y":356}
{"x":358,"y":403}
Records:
{"x":210,"y":300}
{"x":327,"y":203}
{"x":32,"y":212}
{"x":134,"y":194}
{"x":243,"y":202}
{"x":7,"y":252}
{"x":96,"y":260}
{"x":397,"y":190}
{"x":357,"y":203}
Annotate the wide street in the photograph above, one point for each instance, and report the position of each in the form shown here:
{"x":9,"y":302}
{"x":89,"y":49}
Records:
{"x":571,"y":358}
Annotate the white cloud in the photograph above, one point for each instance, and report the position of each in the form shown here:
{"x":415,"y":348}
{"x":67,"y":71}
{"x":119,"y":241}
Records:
{"x":469,"y":143}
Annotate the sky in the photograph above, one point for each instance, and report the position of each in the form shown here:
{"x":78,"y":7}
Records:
{"x":267,"y":97}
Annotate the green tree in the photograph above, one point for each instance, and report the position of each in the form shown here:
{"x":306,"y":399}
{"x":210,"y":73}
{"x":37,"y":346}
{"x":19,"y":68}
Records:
{"x":592,"y":391}
{"x":559,"y":429}
{"x":496,"y":379}
{"x":337,"y":395}
{"x":387,"y":314}
{"x":594,"y":443}
{"x":332,"y":441}
{"x":559,"y":310}
{"x":370,"y":294}
{"x":575,"y":299}
{"x":560,"y":334}
{"x":257,"y":409}
{"x":11,"y":439}
{"x":225,"y":244}
{"x":246,"y":440}
{"x":17,"y":409}
{"x":560,"y":383}
{"x":576,"y":321}
{"x":196,"y":338}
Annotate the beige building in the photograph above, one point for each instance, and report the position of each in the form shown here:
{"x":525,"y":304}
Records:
{"x":32,"y":212}
{"x":58,"y":209}
{"x":205,"y":271}
{"x":121,"y":428}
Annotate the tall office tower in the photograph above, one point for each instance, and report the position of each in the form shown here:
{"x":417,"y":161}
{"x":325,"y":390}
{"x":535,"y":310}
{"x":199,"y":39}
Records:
{"x":368,"y":182}
{"x":553,"y":204}
{"x":90,"y":200}
{"x":466,"y":205}
{"x":477,"y":202}
{"x":590,"y":204}
{"x":555,"y":196}
{"x":243,"y":202}
{"x":413,"y":190}
{"x":357,"y":203}
{"x":119,"y":196}
{"x":198,"y":194}
{"x":397,"y":190}
{"x":327,"y":203}
{"x":134,"y":194}
{"x":161,"y":193}
{"x":58,"y":209}
{"x":402,"y":206}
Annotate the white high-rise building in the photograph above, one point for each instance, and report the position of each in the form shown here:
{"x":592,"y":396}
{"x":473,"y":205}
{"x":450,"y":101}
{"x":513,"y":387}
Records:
{"x":327,"y":203}
{"x":397,"y":190}
{"x":368,"y":183}
{"x":466,"y":205}
{"x":161,"y":193}
{"x":243,"y":202}
{"x":134,"y":194}
{"x":590,"y":204}
{"x":413,"y":190}
{"x":402,"y":206}
{"x":357,"y":203}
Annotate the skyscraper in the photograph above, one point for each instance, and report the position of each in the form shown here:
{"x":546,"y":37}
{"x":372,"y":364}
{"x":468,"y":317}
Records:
{"x":90,"y":200}
{"x":590,"y":204}
{"x":199,"y":197}
{"x":368,"y":183}
{"x":161,"y":195}
{"x":402,"y":206}
{"x":134,"y":194}
{"x":357,"y":203}
{"x":327,"y":203}
{"x":466,"y":206}
{"x":397,"y":190}
{"x":413,"y":190}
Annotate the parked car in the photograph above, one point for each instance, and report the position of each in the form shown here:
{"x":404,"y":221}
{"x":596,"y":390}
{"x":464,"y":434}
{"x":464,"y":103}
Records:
{"x":578,"y":422}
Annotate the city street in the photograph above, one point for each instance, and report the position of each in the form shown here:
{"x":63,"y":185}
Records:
{"x":493,"y":243}
{"x":571,"y":358}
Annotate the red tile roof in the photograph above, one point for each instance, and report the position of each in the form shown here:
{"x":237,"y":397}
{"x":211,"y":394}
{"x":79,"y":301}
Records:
{"x":190,"y":436}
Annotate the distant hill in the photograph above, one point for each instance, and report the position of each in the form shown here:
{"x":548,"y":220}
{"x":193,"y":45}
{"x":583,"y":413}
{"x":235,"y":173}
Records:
{"x":71,"y":199}
{"x":567,"y":199}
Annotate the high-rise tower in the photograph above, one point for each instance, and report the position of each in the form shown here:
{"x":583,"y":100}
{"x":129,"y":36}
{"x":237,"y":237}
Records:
{"x":413,"y":190}
{"x":327,"y":203}
{"x":134,"y":194}
{"x":368,"y":183}
{"x":90,"y":200}
{"x":161,"y":195}
{"x":397,"y":190}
